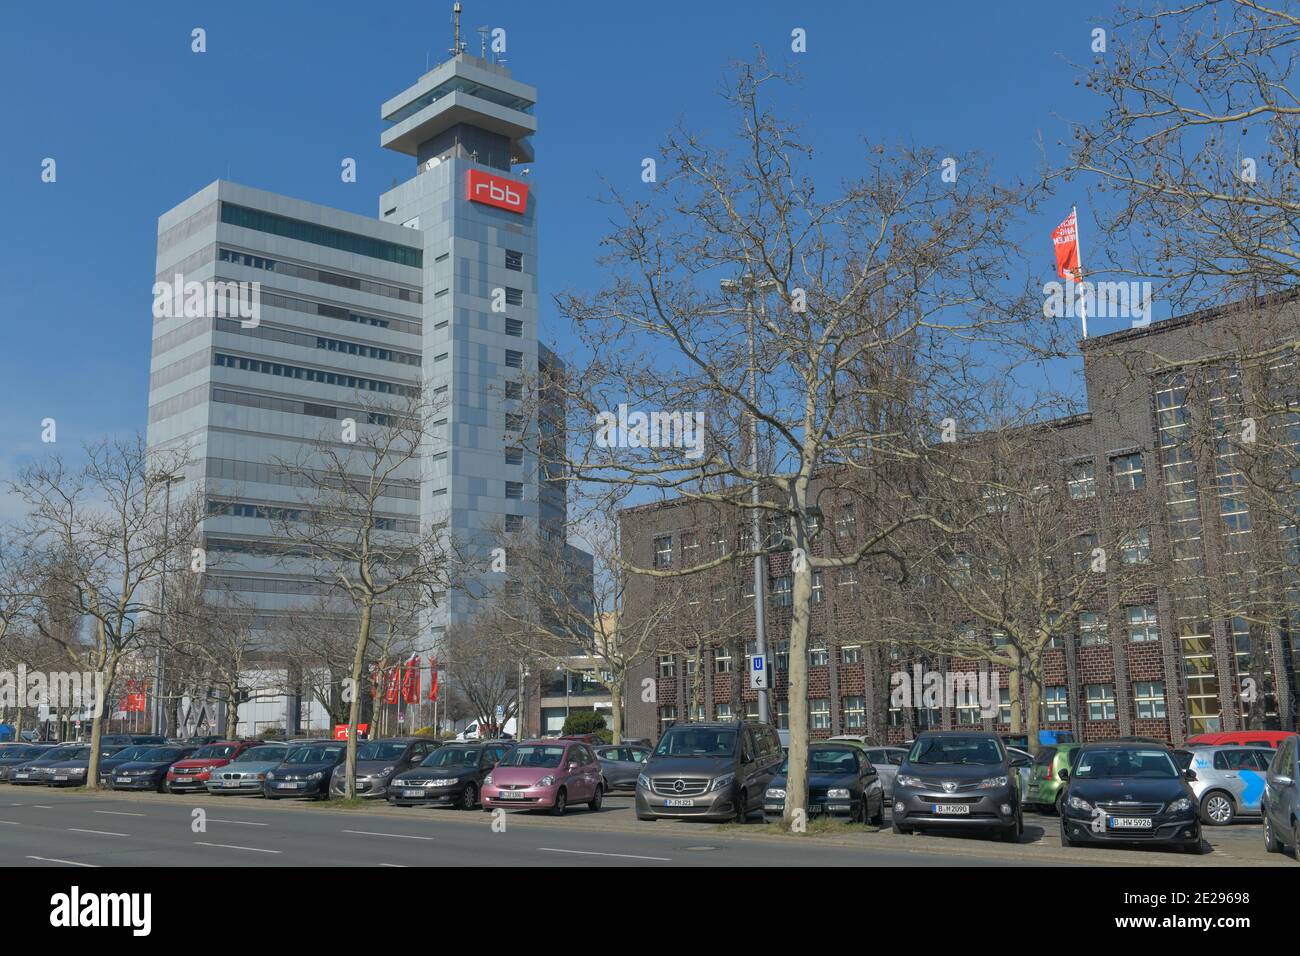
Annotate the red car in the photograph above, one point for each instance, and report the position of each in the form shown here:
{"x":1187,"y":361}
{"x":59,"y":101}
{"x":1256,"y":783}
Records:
{"x":1246,"y":738}
{"x":546,"y":775}
{"x":194,"y":771}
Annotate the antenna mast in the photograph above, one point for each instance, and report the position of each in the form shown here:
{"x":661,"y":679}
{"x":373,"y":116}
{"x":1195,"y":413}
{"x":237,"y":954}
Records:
{"x":455,"y":36}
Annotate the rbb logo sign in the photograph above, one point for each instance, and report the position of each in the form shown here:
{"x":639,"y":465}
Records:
{"x":496,"y":191}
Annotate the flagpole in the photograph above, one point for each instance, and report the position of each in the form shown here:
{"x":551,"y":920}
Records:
{"x":1078,"y":248}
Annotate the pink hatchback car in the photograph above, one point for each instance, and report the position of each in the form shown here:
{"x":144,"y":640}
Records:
{"x":545,"y":774}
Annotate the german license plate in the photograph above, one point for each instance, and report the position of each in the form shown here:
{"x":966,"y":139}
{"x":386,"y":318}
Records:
{"x":1129,"y":823}
{"x":60,"y":776}
{"x":510,"y":795}
{"x":123,"y":779}
{"x":679,"y":803}
{"x":412,"y":793}
{"x":21,"y":776}
{"x":230,"y":783}
{"x":288,"y":786}
{"x":951,"y":809}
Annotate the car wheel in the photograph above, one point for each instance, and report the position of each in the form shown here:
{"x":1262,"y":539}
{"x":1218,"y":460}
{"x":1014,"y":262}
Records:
{"x":1217,"y":809}
{"x":269,"y":797}
{"x":1011,"y":834}
{"x":1295,"y":839}
{"x":597,"y":798}
{"x":468,"y":797}
{"x":742,"y":807}
{"x":1271,"y":843}
{"x":1197,"y":848}
{"x":1065,"y":840}
{"x":561,"y":799}
{"x":878,"y":818}
{"x":898,"y":827}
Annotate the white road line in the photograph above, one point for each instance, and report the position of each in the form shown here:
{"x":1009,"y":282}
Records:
{"x":398,"y":865}
{"x":100,"y":832}
{"x":11,"y":823}
{"x":42,"y":806}
{"x":229,"y":846}
{"x":119,"y":813}
{"x":50,"y":859}
{"x":242,"y":823}
{"x":626,"y":856}
{"x":399,"y":836}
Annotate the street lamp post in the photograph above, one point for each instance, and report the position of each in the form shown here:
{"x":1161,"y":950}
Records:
{"x":158,"y":709}
{"x":748,"y":284}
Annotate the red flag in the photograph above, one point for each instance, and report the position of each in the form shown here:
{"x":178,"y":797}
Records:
{"x":394,"y":676}
{"x":433,"y":678}
{"x":1065,"y":240}
{"x":411,"y":681}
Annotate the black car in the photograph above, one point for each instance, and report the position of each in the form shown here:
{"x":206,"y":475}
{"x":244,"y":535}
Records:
{"x":127,"y":740}
{"x":72,"y":772}
{"x":1129,"y":793}
{"x":451,"y":776}
{"x":127,"y":754}
{"x":958,"y":779}
{"x":841,"y":783}
{"x":13,"y":754}
{"x":306,"y":771}
{"x":149,"y":771}
{"x":33,"y":771}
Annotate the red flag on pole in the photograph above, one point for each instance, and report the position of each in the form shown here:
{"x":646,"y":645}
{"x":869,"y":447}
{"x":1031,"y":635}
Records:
{"x":1065,"y":239}
{"x":433,"y":677}
{"x":411,"y":681}
{"x":394,"y":677}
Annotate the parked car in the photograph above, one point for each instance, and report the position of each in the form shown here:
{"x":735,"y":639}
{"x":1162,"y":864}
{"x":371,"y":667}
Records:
{"x":544,"y":774}
{"x":33,"y":771}
{"x":1046,"y":787}
{"x":886,"y":760}
{"x":306,"y":771}
{"x":127,"y":754}
{"x":960,"y":779}
{"x":126,"y":740}
{"x":149,"y":770}
{"x":715,"y":771}
{"x":247,"y":772}
{"x":1246,"y":738}
{"x":450,"y":776}
{"x":13,"y":754}
{"x":194,"y":772}
{"x":1129,"y":793}
{"x":379,"y":761}
{"x":1021,"y":761}
{"x":841,"y":783}
{"x":1281,"y":800}
{"x":72,"y":772}
{"x":1229,"y":781}
{"x":620,"y":764}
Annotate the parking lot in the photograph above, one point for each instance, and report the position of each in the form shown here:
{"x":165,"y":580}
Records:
{"x":47,"y":827}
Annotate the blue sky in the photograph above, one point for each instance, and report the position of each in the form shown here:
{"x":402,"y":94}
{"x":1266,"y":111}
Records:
{"x":288,"y":88}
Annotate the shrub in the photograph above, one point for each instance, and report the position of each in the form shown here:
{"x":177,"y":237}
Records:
{"x":583,"y":722}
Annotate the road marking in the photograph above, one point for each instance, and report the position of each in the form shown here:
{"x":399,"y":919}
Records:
{"x":399,"y":836}
{"x":100,"y":832}
{"x":398,"y":865}
{"x":242,"y":823}
{"x":50,"y":859}
{"x":11,"y":823}
{"x":42,"y":806}
{"x":119,"y":813}
{"x":626,"y":856}
{"x":229,"y":846}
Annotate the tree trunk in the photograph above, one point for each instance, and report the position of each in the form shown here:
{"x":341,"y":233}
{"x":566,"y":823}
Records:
{"x":97,"y":723}
{"x":615,"y":708}
{"x":232,"y":716}
{"x":354,"y":708}
{"x":1033,"y":709}
{"x":796,"y":786}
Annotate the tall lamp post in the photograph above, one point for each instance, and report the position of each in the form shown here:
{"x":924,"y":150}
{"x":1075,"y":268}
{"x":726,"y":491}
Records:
{"x":168,"y":479}
{"x":748,"y":284}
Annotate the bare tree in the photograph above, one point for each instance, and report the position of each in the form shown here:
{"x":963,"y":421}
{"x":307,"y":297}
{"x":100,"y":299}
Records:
{"x":483,"y":666}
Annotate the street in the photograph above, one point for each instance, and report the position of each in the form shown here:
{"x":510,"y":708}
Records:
{"x":43,"y":827}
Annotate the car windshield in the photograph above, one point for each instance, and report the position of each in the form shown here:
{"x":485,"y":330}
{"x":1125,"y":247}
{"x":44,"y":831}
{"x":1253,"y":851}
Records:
{"x":695,"y":742}
{"x":304,"y":755}
{"x":1146,"y":764}
{"x":380,"y":750}
{"x":836,"y":762}
{"x":214,"y":751}
{"x":81,"y":753}
{"x":955,"y":750}
{"x":26,"y":753}
{"x":262,"y":755}
{"x":132,"y":753}
{"x":453,"y":757}
{"x":59,"y":753}
{"x":162,"y":754}
{"x":533,"y":755}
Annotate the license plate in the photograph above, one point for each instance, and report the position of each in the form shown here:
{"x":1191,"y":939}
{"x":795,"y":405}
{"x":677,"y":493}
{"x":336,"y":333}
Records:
{"x":288,"y":786}
{"x":679,"y":803}
{"x":123,"y":779}
{"x":510,"y":795}
{"x":230,"y":783}
{"x":951,"y":809}
{"x":20,"y":776}
{"x":412,"y":793}
{"x":1129,"y":823}
{"x":60,"y":776}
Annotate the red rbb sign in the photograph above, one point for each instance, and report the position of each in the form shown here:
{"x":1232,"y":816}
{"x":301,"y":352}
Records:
{"x":341,"y":731}
{"x":496,"y":191}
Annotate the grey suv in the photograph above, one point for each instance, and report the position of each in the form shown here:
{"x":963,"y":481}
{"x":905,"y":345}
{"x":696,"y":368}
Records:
{"x":714,"y":771}
{"x":1281,"y":800}
{"x":958,"y":779}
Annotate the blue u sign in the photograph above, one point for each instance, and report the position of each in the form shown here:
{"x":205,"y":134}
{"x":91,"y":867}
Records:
{"x":758,"y":663}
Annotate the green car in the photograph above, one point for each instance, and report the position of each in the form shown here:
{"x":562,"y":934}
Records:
{"x":1046,"y":788}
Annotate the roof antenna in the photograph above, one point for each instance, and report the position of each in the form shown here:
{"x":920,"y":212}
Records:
{"x":455,"y":35}
{"x":482,"y":42}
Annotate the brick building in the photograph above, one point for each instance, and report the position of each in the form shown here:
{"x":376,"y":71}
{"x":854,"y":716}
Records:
{"x":1187,"y":420}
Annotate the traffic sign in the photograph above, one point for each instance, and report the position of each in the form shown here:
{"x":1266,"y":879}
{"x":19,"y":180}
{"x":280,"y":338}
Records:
{"x":758,"y":672}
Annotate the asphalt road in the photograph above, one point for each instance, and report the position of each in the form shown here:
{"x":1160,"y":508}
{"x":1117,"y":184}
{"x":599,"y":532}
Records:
{"x":44,"y":827}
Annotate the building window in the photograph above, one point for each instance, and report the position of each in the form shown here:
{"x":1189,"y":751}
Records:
{"x":817,"y":657}
{"x":1142,"y":623}
{"x":514,"y":296}
{"x":1127,"y":470}
{"x":1092,"y":629}
{"x":782,"y":591}
{"x":968,"y":711}
{"x":1149,"y":699}
{"x":1084,"y":546}
{"x":718,"y":543}
{"x":819,"y":713}
{"x":855,"y":713}
{"x":1056,"y":704}
{"x":514,"y":391}
{"x":1135,"y":548}
{"x":515,"y":490}
{"x":1082,"y":480}
{"x":851,"y":654}
{"x":723,"y":711}
{"x":514,"y":359}
{"x":690,"y":548}
{"x":515,"y":327}
{"x":782,"y":715}
{"x":1101,"y":701}
{"x":667,"y":666}
{"x":514,"y":261}
{"x":1004,"y":705}
{"x":514,"y":522}
{"x":845,"y":523}
{"x":818,"y":591}
{"x":722,"y":663}
{"x":781,"y":655}
{"x":848,"y":577}
{"x":664,"y":552}
{"x":667,"y":715}
{"x":514,"y":455}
